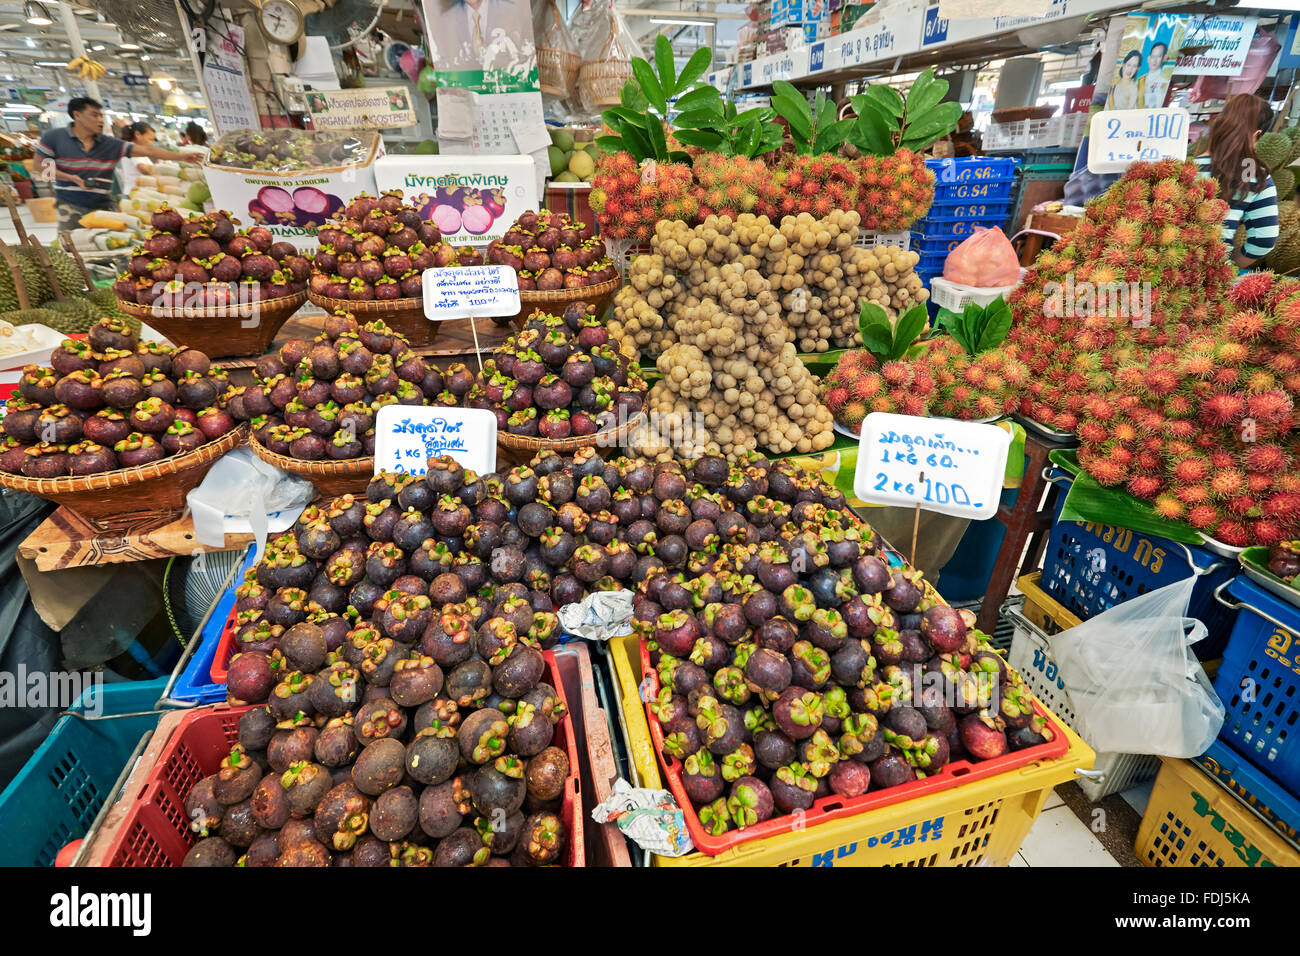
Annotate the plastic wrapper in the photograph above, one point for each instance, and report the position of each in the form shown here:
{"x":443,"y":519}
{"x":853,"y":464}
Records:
{"x":242,"y":486}
{"x":558,"y":57}
{"x":986,"y":260}
{"x":287,"y":150}
{"x":649,"y":818}
{"x":608,"y":46}
{"x":599,"y":616}
{"x":1134,"y":682}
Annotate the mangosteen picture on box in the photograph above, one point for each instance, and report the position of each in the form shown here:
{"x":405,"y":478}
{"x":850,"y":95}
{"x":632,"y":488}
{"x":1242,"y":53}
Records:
{"x":111,"y":401}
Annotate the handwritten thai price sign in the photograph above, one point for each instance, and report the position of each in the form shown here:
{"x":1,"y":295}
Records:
{"x":468,"y":292}
{"x":1119,"y":138}
{"x":937,"y":464}
{"x":407,"y":436}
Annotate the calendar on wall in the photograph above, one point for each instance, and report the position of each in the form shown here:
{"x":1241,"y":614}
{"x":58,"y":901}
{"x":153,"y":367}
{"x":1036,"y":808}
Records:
{"x":495,"y":124}
{"x":229,"y":103}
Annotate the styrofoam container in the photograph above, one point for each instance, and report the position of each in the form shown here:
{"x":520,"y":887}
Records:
{"x":505,"y":186}
{"x":953,"y":296}
{"x":11,"y":366}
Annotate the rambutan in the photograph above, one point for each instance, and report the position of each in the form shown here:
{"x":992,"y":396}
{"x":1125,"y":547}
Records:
{"x":1242,"y":505}
{"x":1222,"y":408}
{"x":1266,"y":530}
{"x":1266,"y":458}
{"x":1232,"y":533}
{"x":1202,"y":517}
{"x":836,"y":397}
{"x":1144,"y":486}
{"x":1169,"y":507}
{"x":1227,"y":484}
{"x":1269,"y":406}
{"x":1191,"y":470}
{"x":895,"y":373}
{"x":1193,"y":494}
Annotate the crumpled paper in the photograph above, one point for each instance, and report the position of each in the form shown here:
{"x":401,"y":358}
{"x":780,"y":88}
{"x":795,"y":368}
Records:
{"x":599,"y":616}
{"x":649,"y":818}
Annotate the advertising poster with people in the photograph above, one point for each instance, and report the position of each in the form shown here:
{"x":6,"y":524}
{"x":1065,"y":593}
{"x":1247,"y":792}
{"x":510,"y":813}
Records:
{"x":1147,"y":54}
{"x":483,"y":45}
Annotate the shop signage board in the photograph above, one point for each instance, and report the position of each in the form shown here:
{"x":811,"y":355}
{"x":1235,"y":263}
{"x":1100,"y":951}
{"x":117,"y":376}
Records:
{"x":470,"y":292}
{"x":383,"y":107}
{"x":1229,"y":39}
{"x":938,"y":31}
{"x":766,"y":70}
{"x":878,"y":35}
{"x":1119,"y":138}
{"x":471,"y":199}
{"x":935,"y":464}
{"x":407,"y":436}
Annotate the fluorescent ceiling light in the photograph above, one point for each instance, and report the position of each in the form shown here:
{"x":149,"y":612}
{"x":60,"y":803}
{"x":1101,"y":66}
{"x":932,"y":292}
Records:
{"x":130,"y":46}
{"x":1291,"y":5}
{"x":685,"y":21}
{"x":30,"y":41}
{"x":49,"y":63}
{"x":21,"y":108}
{"x":37,"y":15}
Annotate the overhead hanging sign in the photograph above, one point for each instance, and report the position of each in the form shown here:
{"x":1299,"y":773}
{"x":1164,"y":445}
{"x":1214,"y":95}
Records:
{"x":1229,"y":41}
{"x":407,"y":436}
{"x":936,"y":464}
{"x":1119,"y":138}
{"x":384,"y":107}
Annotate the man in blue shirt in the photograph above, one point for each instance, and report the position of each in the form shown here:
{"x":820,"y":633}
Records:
{"x":79,"y":159}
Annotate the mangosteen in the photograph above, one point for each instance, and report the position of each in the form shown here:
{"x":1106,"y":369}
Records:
{"x":379,"y":767}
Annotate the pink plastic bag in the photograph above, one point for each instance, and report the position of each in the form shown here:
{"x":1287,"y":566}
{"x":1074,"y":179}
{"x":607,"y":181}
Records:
{"x":985,"y":260}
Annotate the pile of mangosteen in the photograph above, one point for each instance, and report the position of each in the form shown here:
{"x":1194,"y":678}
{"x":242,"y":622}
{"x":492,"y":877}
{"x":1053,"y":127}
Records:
{"x":232,"y":265}
{"x":378,"y":248}
{"x":111,"y":401}
{"x":793,"y":662}
{"x":552,"y":251}
{"x":317,"y":400}
{"x":561,"y":376}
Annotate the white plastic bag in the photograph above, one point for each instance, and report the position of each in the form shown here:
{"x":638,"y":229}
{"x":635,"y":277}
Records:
{"x":243,"y":493}
{"x":1134,"y":682}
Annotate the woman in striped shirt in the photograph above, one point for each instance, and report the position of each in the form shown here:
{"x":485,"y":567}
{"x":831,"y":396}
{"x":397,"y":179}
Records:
{"x":1244,"y":181}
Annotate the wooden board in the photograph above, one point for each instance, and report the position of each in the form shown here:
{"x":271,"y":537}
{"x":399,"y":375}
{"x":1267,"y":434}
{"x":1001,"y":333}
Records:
{"x":65,"y":540}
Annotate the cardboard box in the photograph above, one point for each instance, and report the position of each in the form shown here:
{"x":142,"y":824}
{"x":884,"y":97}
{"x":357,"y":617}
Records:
{"x":451,"y":191}
{"x":293,"y":205}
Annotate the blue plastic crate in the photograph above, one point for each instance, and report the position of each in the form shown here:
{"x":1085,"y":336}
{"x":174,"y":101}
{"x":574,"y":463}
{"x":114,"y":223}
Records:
{"x":947,"y":228}
{"x":932,"y":245}
{"x":1257,"y":790}
{"x":1090,"y":568}
{"x":989,"y":213}
{"x":986,"y":190}
{"x":1259,"y":683}
{"x":971,"y":168}
{"x":194,"y":684}
{"x":60,"y":790}
{"x":931,"y":264}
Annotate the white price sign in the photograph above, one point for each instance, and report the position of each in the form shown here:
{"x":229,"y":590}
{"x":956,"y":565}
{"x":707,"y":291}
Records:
{"x":407,"y":436}
{"x":1119,"y":138}
{"x":938,"y":464}
{"x":470,"y":291}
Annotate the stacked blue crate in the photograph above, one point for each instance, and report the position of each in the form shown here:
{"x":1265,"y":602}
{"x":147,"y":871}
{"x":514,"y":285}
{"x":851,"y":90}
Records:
{"x":969,"y":192}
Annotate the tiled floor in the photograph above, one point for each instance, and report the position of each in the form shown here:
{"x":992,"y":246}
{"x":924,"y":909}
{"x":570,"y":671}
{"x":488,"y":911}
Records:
{"x":1060,"y":838}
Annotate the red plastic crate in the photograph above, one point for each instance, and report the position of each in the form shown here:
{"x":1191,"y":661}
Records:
{"x":834,"y":807}
{"x":154,"y":830}
{"x":225,"y":651}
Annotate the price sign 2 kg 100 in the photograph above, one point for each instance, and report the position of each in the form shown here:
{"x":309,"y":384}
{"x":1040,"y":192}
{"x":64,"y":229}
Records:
{"x":937,"y":464}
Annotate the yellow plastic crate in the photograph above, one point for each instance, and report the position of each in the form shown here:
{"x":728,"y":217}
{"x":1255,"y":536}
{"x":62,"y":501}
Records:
{"x":1192,"y":821}
{"x":1042,"y":609}
{"x":978,"y":823}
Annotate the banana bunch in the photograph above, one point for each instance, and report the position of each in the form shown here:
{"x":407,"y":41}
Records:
{"x":86,"y":68}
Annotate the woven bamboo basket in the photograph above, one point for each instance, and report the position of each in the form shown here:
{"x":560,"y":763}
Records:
{"x":555,"y":300}
{"x":116,"y":498}
{"x":330,"y":478}
{"x":521,"y":448}
{"x":220,"y":333}
{"x":400,"y":315}
{"x":600,"y":81}
{"x":557,"y":64}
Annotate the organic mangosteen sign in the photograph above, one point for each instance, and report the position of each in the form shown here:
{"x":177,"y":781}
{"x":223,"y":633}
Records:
{"x":938,"y":464}
{"x":407,"y":436}
{"x":470,"y":292}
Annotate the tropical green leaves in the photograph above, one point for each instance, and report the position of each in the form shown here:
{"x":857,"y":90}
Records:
{"x":889,"y":342}
{"x":886,"y":121}
{"x":977,"y":328}
{"x":814,"y":129}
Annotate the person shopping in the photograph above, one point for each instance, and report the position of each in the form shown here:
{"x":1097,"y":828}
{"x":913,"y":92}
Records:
{"x":79,"y":161}
{"x":137,"y":134}
{"x":1244,"y":180}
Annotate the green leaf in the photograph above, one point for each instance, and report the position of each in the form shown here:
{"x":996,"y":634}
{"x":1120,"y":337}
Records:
{"x":664,"y":62}
{"x":937,"y":123}
{"x":632,"y":97}
{"x":830,"y":137}
{"x":700,"y":97}
{"x":624,"y":115}
{"x":610,"y":144}
{"x":657,"y":140}
{"x":1089,"y":502}
{"x":909,"y":326}
{"x":638,"y":144}
{"x":871,"y":134}
{"x":678,"y":156}
{"x":703,"y":138}
{"x":700,"y":61}
{"x":753,"y":140}
{"x":997,"y":322}
{"x":793,"y":108}
{"x":885,"y":97}
{"x":649,"y":85}
{"x":876,"y":340}
{"x":698,"y":119}
{"x":926,"y":91}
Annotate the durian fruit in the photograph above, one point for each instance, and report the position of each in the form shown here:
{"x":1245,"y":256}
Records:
{"x":34,"y":278}
{"x":1284,"y":181}
{"x":71,"y":281}
{"x":55,"y":320}
{"x":1288,"y":215}
{"x":1273,"y":149}
{"x":8,"y":292}
{"x":1285,"y":257}
{"x":102,"y":296}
